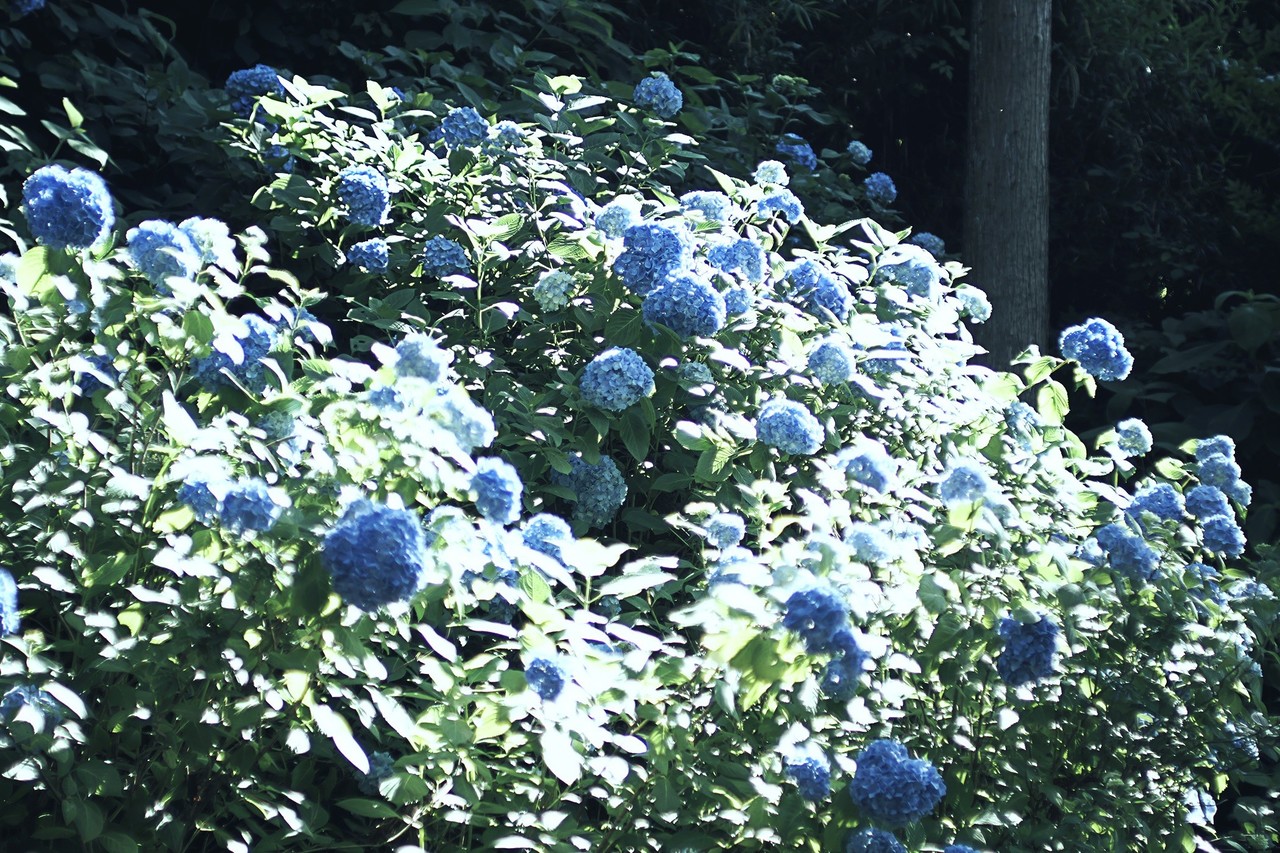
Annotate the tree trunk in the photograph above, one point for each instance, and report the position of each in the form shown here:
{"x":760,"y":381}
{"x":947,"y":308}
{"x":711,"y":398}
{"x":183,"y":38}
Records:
{"x":1006,"y":227}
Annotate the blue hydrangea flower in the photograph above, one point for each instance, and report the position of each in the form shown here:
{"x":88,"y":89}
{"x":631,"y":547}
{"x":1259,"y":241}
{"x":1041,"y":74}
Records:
{"x":930,"y":242}
{"x":812,"y":775}
{"x":1029,"y":650}
{"x":67,"y":209}
{"x":1206,"y":501}
{"x":546,"y":534}
{"x":497,"y":489}
{"x":848,"y":661}
{"x":958,"y":848}
{"x":599,"y":490}
{"x":687,"y":305}
{"x":964,"y":482}
{"x":245,"y":86}
{"x":255,"y":342}
{"x":742,"y":256}
{"x":859,"y":153}
{"x":651,"y":252}
{"x":789,"y":426}
{"x":1127,"y":552}
{"x":712,"y":205}
{"x":370,"y":255}
{"x":616,"y":379}
{"x":1161,"y":500}
{"x":738,"y":301}
{"x":1133,"y":438}
{"x":817,"y":291}
{"x":249,"y":505}
{"x":553,"y":290}
{"x":464,"y":126}
{"x":381,"y":766}
{"x":30,"y":695}
{"x":546,"y":677}
{"x":795,"y":148}
{"x":658,"y":93}
{"x":782,"y":201}
{"x":364,"y":190}
{"x":418,"y":355}
{"x":1219,"y":445}
{"x":1021,"y":419}
{"x":724,"y":530}
{"x":212,"y":241}
{"x":870,"y":544}
{"x":819,"y":615}
{"x":1099,"y":348}
{"x":159,"y":250}
{"x":22,"y":8}
{"x":892,"y":788}
{"x":1222,"y":535}
{"x":9,"y":267}
{"x":872,"y":840}
{"x":10,"y":619}
{"x":375,"y":555}
{"x":867,"y":462}
{"x":101,"y":367}
{"x":973,"y":303}
{"x":471,"y":424}
{"x":771,"y":173}
{"x":442,"y":256}
{"x":833,"y":361}
{"x":617,"y":216}
{"x":281,"y":157}
{"x":913,"y":268}
{"x":202,"y":492}
{"x":507,"y":134}
{"x":880,"y":188}
{"x":1218,"y":470}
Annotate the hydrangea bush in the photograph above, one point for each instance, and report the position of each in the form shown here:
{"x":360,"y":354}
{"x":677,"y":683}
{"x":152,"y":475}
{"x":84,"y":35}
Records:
{"x":615,"y":518}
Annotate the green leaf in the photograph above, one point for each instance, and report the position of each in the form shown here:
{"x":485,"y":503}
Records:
{"x":180,"y":425}
{"x":73,"y":114}
{"x":628,"y":585}
{"x":334,"y":727}
{"x":1052,"y":402}
{"x":367,"y":808}
{"x":33,"y":266}
{"x":560,"y":756}
{"x":309,"y":592}
{"x":635,"y":429}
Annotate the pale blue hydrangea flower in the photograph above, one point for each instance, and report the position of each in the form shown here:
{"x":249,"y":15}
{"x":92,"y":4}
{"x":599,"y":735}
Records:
{"x":375,"y":555}
{"x":255,"y":342}
{"x":658,"y":93}
{"x":1218,"y":445}
{"x":973,"y":303}
{"x":10,"y":618}
{"x":789,"y":426}
{"x":870,"y":544}
{"x":370,"y":255}
{"x":554,"y":290}
{"x":364,"y":190}
{"x":783,"y":202}
{"x":1128,"y":553}
{"x":249,"y":505}
{"x":958,"y":848}
{"x":1099,"y":348}
{"x":497,"y":489}
{"x":213,"y":242}
{"x":418,"y":355}
{"x":67,"y":209}
{"x":880,"y":188}
{"x":616,"y":379}
{"x":507,"y":134}
{"x":964,"y":482}
{"x":160,"y":250}
{"x":913,"y":268}
{"x":930,"y":242}
{"x":442,"y":256}
{"x":738,"y":301}
{"x":771,"y":173}
{"x":817,"y":291}
{"x":1160,"y":499}
{"x":724,"y":530}
{"x":859,"y":153}
{"x":795,"y":148}
{"x":546,"y":534}
{"x":892,"y":788}
{"x":546,"y":677}
{"x":742,"y":256}
{"x":651,"y":253}
{"x":464,"y":126}
{"x":687,"y":305}
{"x":1133,"y":438}
{"x":245,"y":86}
{"x":1218,"y":470}
{"x":832,"y":361}
{"x":617,"y":216}
{"x":599,"y":490}
{"x":22,"y":8}
{"x":713,"y":206}
{"x":471,"y":424}
{"x":867,"y":462}
{"x":1207,"y":501}
{"x":9,"y":267}
{"x":1029,"y":649}
{"x":1222,"y":535}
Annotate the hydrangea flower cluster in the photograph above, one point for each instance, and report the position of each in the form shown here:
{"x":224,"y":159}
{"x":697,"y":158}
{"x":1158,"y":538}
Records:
{"x":599,"y":490}
{"x":546,"y":534}
{"x":161,"y":250}
{"x":859,"y":153}
{"x":783,"y":202}
{"x":958,"y":848}
{"x":1161,"y":500}
{"x":1133,"y":438}
{"x":212,"y":241}
{"x":930,"y":242}
{"x":1099,"y":348}
{"x":871,"y":840}
{"x":497,"y":489}
{"x":892,"y":788}
{"x":507,"y":134}
{"x":795,"y":148}
{"x":1207,"y":501}
{"x":22,"y":8}
{"x":1216,"y":466}
{"x":819,"y":615}
{"x":245,"y":86}
{"x":616,"y":379}
{"x":1029,"y":649}
{"x":738,"y":301}
{"x":687,"y":305}
{"x":724,"y":530}
{"x":418,"y":355}
{"x":249,"y":505}
{"x":812,"y":774}
{"x":470,"y":423}
{"x":370,"y":255}
{"x":771,"y":173}
{"x":617,"y":216}
{"x":381,"y":766}
{"x":553,"y":290}
{"x":913,"y":268}
{"x":546,"y":677}
{"x":67,"y":209}
{"x":817,"y":291}
{"x":1222,"y":535}
{"x":868,"y":463}
{"x":742,"y":256}
{"x":254,"y":343}
{"x":880,"y":188}
{"x":789,"y":426}
{"x":442,"y":256}
{"x":712,"y":205}
{"x":650,"y":253}
{"x":658,"y":93}
{"x":1127,"y":552}
{"x":832,"y":361}
{"x":963,"y":482}
{"x":10,"y":619}
{"x":870,"y":544}
{"x":464,"y":126}
{"x":973,"y":303}
{"x":364,"y":190}
{"x":375,"y":555}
